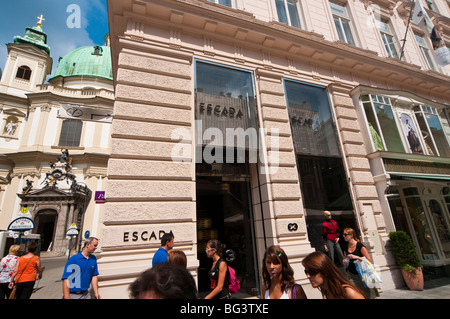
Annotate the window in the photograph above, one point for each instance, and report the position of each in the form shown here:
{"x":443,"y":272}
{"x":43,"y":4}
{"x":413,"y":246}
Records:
{"x":23,"y":72}
{"x":227,"y":3}
{"x":426,"y":54}
{"x":433,"y":134}
{"x":287,"y":11}
{"x":342,"y":23}
{"x":70,"y":133}
{"x":388,"y":39}
{"x":225,"y":113}
{"x":319,"y":161}
{"x":382,"y":125}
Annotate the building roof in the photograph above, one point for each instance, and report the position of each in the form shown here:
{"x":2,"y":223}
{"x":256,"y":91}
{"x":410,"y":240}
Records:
{"x":35,"y":36}
{"x":92,"y":61}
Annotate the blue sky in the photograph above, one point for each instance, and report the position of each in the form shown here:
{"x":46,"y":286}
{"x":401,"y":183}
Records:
{"x":60,"y":24}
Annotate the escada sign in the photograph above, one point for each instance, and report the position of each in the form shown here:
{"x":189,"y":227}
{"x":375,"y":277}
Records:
{"x":144,"y":235}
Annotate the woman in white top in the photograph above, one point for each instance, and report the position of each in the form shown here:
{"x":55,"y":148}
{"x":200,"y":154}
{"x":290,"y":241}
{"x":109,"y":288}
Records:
{"x":278,"y":276}
{"x":7,"y":266}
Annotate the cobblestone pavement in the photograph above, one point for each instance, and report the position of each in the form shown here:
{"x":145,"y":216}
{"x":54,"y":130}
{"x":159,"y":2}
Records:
{"x":50,"y":286}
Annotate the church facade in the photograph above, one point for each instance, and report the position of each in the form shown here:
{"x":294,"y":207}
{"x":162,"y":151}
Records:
{"x":54,"y":139}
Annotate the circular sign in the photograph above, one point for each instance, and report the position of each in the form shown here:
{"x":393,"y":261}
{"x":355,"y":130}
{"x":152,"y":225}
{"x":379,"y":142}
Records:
{"x":21,"y":223}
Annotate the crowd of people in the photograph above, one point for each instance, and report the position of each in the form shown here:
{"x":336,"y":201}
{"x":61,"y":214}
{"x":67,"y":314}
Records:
{"x":169,"y":278}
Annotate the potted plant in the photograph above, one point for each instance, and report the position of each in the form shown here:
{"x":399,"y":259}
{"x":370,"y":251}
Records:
{"x":406,"y":257}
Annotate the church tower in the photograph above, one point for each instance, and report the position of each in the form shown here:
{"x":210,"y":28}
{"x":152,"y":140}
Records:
{"x":28,"y":62}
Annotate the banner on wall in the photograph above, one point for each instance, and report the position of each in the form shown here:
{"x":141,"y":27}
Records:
{"x":421,"y":19}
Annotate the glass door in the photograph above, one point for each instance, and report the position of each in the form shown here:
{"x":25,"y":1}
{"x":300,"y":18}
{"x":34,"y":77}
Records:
{"x":224,"y":213}
{"x":441,"y":223}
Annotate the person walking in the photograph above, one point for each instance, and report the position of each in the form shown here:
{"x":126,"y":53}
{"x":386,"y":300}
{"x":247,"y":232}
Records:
{"x":27,"y":268}
{"x":7,"y":266}
{"x":278,"y":276}
{"x":167,"y":243}
{"x":326,"y":276}
{"x":80,"y":272}
{"x":218,"y":275}
{"x":330,"y":232}
{"x":356,"y":251}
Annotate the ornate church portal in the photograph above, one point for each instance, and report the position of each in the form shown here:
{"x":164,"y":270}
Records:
{"x":57,"y":206}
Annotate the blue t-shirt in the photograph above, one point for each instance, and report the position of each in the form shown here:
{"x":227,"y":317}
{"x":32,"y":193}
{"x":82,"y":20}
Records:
{"x":160,"y":256}
{"x":79,"y":270}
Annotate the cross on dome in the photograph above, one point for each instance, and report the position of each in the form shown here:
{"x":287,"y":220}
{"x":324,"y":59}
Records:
{"x":41,"y":18}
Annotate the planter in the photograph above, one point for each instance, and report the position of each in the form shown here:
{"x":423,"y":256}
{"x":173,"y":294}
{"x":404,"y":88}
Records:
{"x":414,"y":282}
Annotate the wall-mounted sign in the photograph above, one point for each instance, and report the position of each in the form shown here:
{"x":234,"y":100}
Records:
{"x":85,"y":113}
{"x":100,"y":197}
{"x":143,"y":236}
{"x":21,"y":223}
{"x":292,"y":226}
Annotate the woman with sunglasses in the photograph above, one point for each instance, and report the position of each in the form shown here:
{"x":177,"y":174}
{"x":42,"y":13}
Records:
{"x":356,"y":251}
{"x":220,"y":279}
{"x":324,"y":275}
{"x":278,"y":276}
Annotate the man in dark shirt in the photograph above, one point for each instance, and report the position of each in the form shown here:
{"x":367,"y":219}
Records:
{"x":330,"y":232}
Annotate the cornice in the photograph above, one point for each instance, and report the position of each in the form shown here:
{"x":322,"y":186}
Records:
{"x":223,"y":24}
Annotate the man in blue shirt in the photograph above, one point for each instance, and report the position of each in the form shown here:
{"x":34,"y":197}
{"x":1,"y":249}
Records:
{"x":166,"y":244}
{"x":80,"y":271}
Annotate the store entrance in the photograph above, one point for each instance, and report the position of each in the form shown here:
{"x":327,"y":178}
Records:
{"x":224,"y":213}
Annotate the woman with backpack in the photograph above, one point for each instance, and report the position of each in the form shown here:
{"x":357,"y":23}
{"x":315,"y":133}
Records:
{"x":218,"y":275}
{"x":278,"y":276}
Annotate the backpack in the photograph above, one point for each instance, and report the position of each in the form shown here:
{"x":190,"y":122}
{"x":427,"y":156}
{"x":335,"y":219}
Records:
{"x":235,"y":284}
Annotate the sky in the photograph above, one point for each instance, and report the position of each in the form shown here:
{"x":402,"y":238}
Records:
{"x":69,"y":24}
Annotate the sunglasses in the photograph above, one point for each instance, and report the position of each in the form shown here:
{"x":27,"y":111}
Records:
{"x":311,"y":272}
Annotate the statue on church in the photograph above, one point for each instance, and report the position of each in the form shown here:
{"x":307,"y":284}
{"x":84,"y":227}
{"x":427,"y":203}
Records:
{"x":27,"y":188}
{"x":11,"y":128}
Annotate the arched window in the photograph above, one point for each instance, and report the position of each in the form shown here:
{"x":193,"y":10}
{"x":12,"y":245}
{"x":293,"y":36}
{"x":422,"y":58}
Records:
{"x":23,"y":72}
{"x":70,"y":133}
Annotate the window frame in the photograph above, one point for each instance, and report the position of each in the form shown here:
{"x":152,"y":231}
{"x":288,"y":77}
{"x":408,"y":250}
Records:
{"x":287,"y":12}
{"x":26,"y":70}
{"x":425,"y":51}
{"x":67,"y":131}
{"x":385,"y":35}
{"x":232,"y":2}
{"x":343,"y":17}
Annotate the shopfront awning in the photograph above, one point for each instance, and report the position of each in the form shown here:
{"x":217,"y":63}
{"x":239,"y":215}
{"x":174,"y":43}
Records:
{"x":396,"y":176}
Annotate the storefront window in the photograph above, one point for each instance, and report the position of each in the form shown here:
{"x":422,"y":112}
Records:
{"x":421,"y":226}
{"x":322,"y":175}
{"x":396,"y":207}
{"x":382,"y":125}
{"x":225,"y":112}
{"x":412,"y":134}
{"x":432,"y":131}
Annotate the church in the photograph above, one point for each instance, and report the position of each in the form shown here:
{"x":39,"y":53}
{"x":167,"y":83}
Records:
{"x":54,"y":139}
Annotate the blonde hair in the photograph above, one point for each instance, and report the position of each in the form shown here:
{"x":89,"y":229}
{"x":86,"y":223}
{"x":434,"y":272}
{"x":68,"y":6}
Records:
{"x":14,"y":249}
{"x":352,"y":232}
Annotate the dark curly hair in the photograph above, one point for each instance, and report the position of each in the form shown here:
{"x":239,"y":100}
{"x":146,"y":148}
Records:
{"x":277,"y":255}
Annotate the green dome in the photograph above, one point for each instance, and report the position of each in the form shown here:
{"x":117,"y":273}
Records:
{"x":86,"y":61}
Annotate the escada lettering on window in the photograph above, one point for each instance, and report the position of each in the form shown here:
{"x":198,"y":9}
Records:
{"x":143,"y":236}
